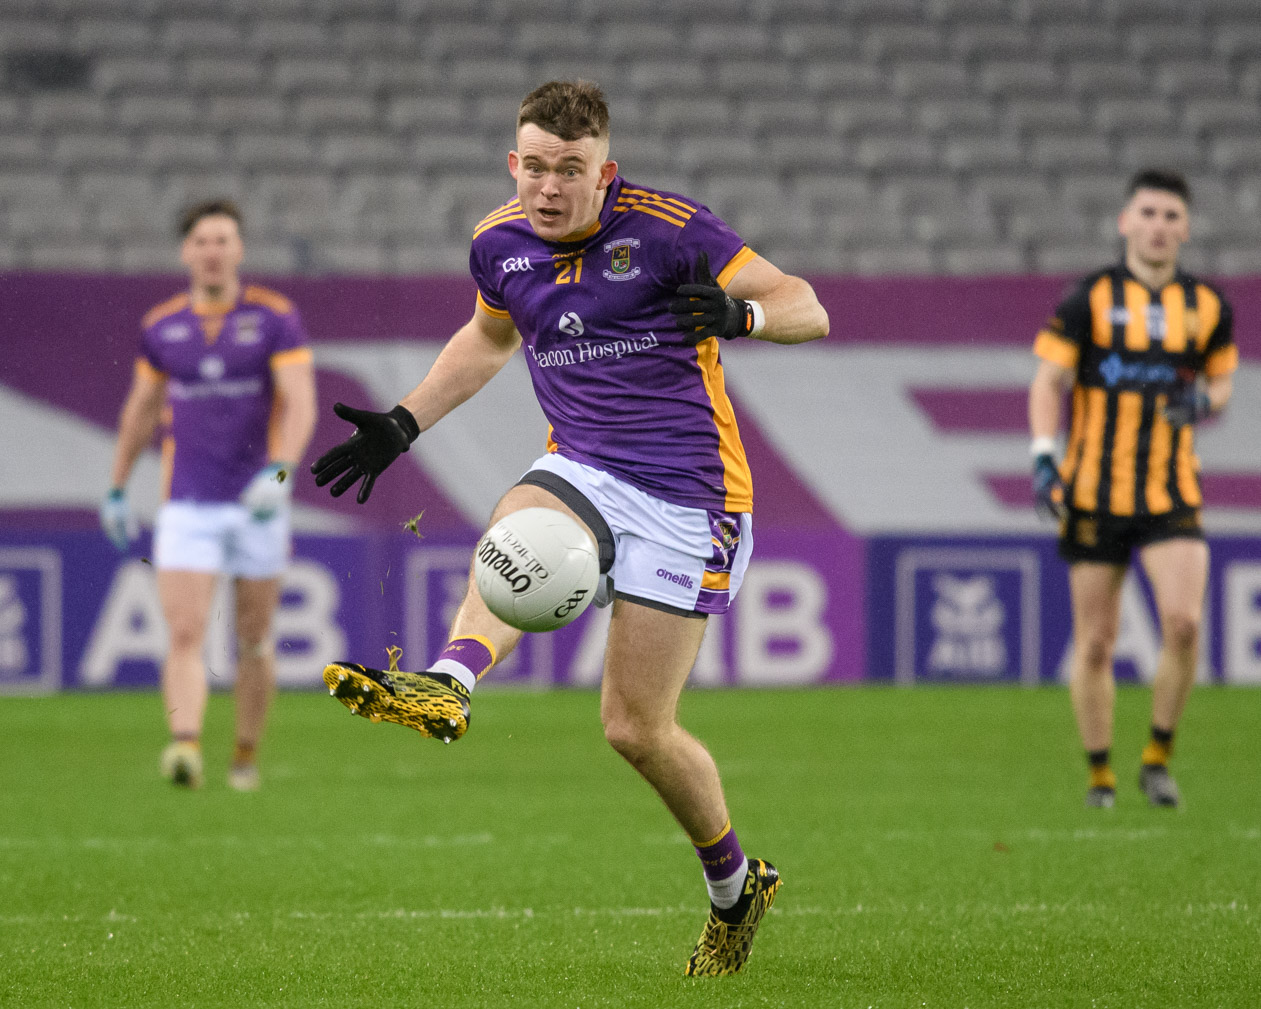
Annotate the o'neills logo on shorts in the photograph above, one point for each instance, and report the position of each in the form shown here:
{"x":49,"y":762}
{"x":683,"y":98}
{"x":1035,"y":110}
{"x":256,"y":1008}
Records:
{"x":670,"y":576}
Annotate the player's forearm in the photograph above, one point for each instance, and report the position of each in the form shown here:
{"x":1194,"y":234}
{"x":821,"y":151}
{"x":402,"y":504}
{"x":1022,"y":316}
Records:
{"x":1045,"y":396}
{"x":470,"y":359}
{"x":136,"y":425}
{"x":793,"y":313}
{"x":293,"y":427}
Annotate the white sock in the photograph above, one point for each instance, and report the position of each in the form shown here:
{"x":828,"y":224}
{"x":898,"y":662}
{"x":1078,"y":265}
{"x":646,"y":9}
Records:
{"x":725,"y":892}
{"x":457,"y":671}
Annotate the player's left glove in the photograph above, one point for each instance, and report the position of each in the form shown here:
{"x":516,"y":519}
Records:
{"x":268,"y":491}
{"x":1188,"y":405}
{"x":380,"y":438}
{"x":704,"y":309}
{"x":1048,"y":487}
{"x":117,"y":521}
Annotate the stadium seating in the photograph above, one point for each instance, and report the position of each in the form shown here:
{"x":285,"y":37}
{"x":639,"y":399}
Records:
{"x":954,"y":136}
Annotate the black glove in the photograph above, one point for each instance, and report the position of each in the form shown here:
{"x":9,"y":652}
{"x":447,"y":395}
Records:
{"x":1189,"y":404}
{"x":380,"y":439}
{"x":704,"y":309}
{"x":1048,"y":488}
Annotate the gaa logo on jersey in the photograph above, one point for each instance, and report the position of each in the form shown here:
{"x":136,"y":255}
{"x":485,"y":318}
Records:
{"x":518,"y":264}
{"x":620,"y":262}
{"x":211,"y":368}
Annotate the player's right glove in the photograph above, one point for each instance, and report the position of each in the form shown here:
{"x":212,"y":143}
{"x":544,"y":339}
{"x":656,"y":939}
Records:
{"x":1048,"y":488}
{"x":117,"y":522}
{"x":380,"y":438}
{"x":1189,"y":405}
{"x":704,"y":309}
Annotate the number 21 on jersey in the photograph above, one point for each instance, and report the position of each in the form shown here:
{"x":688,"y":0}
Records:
{"x":570,"y":270}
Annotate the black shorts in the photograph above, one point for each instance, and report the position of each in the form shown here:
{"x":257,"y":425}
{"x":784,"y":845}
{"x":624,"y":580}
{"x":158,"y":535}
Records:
{"x":1109,"y":539}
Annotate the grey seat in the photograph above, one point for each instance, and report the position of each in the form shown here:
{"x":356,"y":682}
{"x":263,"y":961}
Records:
{"x":219,"y":74}
{"x":859,"y":228}
{"x":1086,"y":38}
{"x":800,"y":113}
{"x":450,"y":37}
{"x":983,"y":260}
{"x":201,"y":35}
{"x":360,"y":150}
{"x":953,"y":225}
{"x":79,"y":254}
{"x":757,"y":78}
{"x":795,"y":153}
{"x":1070,"y":152}
{"x":326,"y":112}
{"x":692,"y":115}
{"x":122,"y":36}
{"x":894,"y":259}
{"x":68,"y":110}
{"x":376,"y":34}
{"x":1019,"y":79}
{"x":894,"y":152}
{"x":1050,"y":224}
{"x":531,"y":40}
{"x":729,"y":41}
{"x":1014,"y":190}
{"x":667,"y":79}
{"x":247,"y":112}
{"x":1237,"y":39}
{"x":40,"y":219}
{"x":1044,"y":115}
{"x":1239,"y":259}
{"x":950,"y":115}
{"x":914,"y":194}
{"x":1134,"y":115}
{"x":900,"y":41}
{"x":766,"y":227}
{"x":1220,"y":114}
{"x":818,"y":41}
{"x":35,"y":184}
{"x":158,"y":111}
{"x":1107,"y":78}
{"x":86,"y":149}
{"x":289,"y":35}
{"x":181,"y":150}
{"x":272,"y":150}
{"x":1195,"y":79}
{"x":710,"y":153}
{"x":392,"y":75}
{"x":481,"y":75}
{"x":425,"y":112}
{"x":1180,"y":151}
{"x":843,"y":80}
{"x":637,"y":154}
{"x":30,"y":33}
{"x":351,"y":257}
{"x":983,"y":153}
{"x":442,"y":152}
{"x":1159,"y":42}
{"x":1238,"y":153}
{"x":184,"y":187}
{"x":1094,"y":193}
{"x":395,"y":205}
{"x":935,"y":79}
{"x":729,"y":195}
{"x":990,"y":40}
{"x":832,"y":193}
{"x":432,"y":259}
{"x":1074,"y":259}
{"x":302,"y":73}
{"x":868,"y":115}
{"x":115,"y":73}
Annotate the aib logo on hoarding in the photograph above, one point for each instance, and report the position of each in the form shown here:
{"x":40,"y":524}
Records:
{"x":967,"y":614}
{"x":30,"y":619}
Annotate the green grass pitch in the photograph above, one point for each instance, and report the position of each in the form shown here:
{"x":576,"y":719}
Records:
{"x":933,"y":843}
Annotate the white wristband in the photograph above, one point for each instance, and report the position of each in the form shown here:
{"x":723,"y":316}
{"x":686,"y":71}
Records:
{"x":759,"y":318}
{"x":1042,"y":445}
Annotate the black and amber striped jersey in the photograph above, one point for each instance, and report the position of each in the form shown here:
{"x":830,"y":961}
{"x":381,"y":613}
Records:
{"x":1130,"y":348}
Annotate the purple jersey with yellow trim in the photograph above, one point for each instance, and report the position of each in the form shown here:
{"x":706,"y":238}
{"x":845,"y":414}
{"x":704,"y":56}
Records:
{"x":620,"y":387}
{"x":218,"y":364}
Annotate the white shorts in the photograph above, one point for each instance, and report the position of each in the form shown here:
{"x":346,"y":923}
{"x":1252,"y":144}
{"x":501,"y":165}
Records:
{"x":679,"y":559}
{"x":221,"y":538}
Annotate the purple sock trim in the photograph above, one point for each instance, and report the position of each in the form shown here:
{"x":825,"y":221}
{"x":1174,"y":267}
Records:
{"x":721,"y":858}
{"x":470,"y":653}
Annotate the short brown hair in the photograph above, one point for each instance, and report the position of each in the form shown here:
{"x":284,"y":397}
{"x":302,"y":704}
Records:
{"x":1165,"y":179}
{"x":570,"y":110}
{"x":209,"y":208}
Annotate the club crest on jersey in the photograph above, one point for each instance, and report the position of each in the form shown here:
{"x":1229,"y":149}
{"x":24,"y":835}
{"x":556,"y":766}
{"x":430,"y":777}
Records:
{"x":620,"y":262}
{"x":176,"y":331}
{"x":247,"y":328}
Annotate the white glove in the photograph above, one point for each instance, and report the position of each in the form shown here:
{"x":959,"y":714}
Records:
{"x":117,"y":522}
{"x":269,"y":491}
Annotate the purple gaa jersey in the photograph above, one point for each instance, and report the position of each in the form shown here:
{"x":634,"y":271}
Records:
{"x":621,"y":389}
{"x":218,"y":369}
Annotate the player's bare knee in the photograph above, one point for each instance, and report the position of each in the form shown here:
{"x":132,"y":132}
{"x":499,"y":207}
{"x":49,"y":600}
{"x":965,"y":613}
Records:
{"x":636,"y":741}
{"x":1180,"y":630}
{"x":254,"y":646}
{"x":1094,"y":652}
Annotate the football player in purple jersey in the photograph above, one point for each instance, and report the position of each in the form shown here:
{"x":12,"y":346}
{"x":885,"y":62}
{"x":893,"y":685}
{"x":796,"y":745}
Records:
{"x":618,"y":294}
{"x":227,"y":370}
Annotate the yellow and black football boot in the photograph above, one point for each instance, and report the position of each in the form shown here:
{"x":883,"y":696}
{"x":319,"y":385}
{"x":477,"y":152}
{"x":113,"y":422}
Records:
{"x":727,"y":938}
{"x":434,"y":704}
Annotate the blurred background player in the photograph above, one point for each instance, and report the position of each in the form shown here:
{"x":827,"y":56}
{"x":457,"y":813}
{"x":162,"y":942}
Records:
{"x":229,"y":372}
{"x":643,"y":450}
{"x":1148,"y":352}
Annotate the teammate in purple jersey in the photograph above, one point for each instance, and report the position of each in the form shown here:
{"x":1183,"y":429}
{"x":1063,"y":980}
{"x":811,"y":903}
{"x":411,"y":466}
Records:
{"x":610,"y":288}
{"x":228,"y":369}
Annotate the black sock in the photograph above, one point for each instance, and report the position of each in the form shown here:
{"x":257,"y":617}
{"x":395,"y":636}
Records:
{"x":1098,"y":758}
{"x":1162,"y":736}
